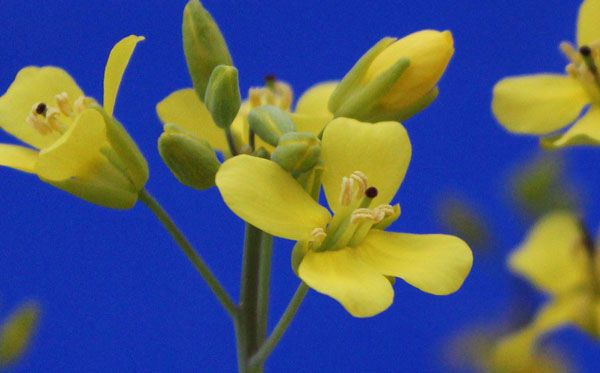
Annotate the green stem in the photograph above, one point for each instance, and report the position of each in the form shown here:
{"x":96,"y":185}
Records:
{"x":231,"y":142}
{"x":264,"y":277}
{"x":249,"y":286}
{"x":241,"y":345}
{"x":195,"y":258}
{"x":267,"y":348}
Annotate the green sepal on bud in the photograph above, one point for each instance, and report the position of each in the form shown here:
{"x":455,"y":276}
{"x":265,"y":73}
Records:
{"x":363,"y":104}
{"x":191,"y":160}
{"x":203,"y":44}
{"x":270,"y":123}
{"x":16,"y":333}
{"x":297,"y":152}
{"x":223,"y":98}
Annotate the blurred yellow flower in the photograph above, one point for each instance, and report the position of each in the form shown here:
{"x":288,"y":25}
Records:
{"x":74,"y":144}
{"x":560,"y":260}
{"x":544,"y":103}
{"x":474,"y":349}
{"x":348,"y":256}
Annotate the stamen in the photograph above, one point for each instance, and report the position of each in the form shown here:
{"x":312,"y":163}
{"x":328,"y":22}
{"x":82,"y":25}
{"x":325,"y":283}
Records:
{"x":254,"y":97}
{"x":38,"y":123}
{"x":362,"y":214}
{"x":52,"y":118}
{"x":270,"y":81}
{"x":361,"y":179}
{"x":318,"y":235}
{"x":569,"y":51}
{"x":79,"y":105}
{"x":347,"y":191}
{"x":62,"y":100}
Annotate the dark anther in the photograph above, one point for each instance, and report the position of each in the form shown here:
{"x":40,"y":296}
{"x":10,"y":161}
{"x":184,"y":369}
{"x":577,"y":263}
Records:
{"x":270,"y":79}
{"x":585,"y":51}
{"x":41,"y":108}
{"x":371,"y":192}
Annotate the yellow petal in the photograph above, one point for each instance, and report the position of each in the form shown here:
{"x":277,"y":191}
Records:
{"x":435,"y":263}
{"x":311,"y":123}
{"x":343,"y":276}
{"x":264,"y":195}
{"x":315,"y":99}
{"x":588,"y":27}
{"x":18,"y":157}
{"x":553,"y":256}
{"x":115,"y":68}
{"x":76,"y":152}
{"x":538,"y":104}
{"x":381,"y":151}
{"x":586,"y":131}
{"x":32,"y":86}
{"x":185,"y":109}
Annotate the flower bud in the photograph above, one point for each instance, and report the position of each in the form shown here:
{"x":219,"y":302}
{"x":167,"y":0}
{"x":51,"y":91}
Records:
{"x":297,"y":152}
{"x":395,"y":79}
{"x":270,"y":123}
{"x":223,"y":95}
{"x":203,"y":44}
{"x":16,"y":333}
{"x":191,"y":160}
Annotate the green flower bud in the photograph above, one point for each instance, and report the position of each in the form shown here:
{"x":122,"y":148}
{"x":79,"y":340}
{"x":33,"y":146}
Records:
{"x":203,"y":44}
{"x":16,"y":333}
{"x":270,"y":123}
{"x":223,"y":95}
{"x":297,"y":152}
{"x":191,"y":160}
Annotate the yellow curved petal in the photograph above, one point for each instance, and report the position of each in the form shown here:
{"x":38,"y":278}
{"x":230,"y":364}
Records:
{"x":381,"y":151}
{"x":588,"y":27}
{"x":553,"y":256}
{"x":115,"y":68}
{"x":31,"y":86}
{"x":343,"y":276}
{"x":538,"y":104}
{"x":586,"y":131}
{"x":263,"y":194}
{"x":311,"y":123}
{"x":315,"y":99}
{"x":435,"y":263}
{"x":185,"y":109}
{"x":76,"y":152}
{"x":18,"y":157}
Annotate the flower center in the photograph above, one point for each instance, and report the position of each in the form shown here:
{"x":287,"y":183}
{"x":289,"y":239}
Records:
{"x":583,"y":66}
{"x":274,"y":93}
{"x":48,"y":119}
{"x":354,"y":217}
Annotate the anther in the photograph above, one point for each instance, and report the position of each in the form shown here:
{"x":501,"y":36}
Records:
{"x":41,"y":108}
{"x":62,"y":100}
{"x":318,"y":235}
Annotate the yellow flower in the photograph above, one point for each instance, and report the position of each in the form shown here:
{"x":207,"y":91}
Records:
{"x":186,"y":110}
{"x":544,"y":103}
{"x":473,"y":350}
{"x":75,"y":144}
{"x":348,"y":256}
{"x":560,"y":260}
{"x":395,"y":79}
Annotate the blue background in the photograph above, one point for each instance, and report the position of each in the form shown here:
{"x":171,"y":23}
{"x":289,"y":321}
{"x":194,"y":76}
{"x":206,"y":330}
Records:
{"x":118,"y":295}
